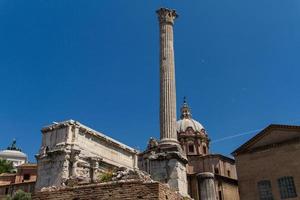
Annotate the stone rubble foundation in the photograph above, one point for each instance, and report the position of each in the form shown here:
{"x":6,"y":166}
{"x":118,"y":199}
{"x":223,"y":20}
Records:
{"x":115,"y":190}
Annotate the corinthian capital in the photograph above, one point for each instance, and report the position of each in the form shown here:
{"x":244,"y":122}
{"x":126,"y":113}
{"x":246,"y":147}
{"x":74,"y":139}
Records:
{"x":166,"y":15}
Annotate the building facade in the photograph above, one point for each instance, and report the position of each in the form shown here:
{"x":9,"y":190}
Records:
{"x":268,"y":164}
{"x":72,"y":152}
{"x":24,"y":179}
{"x":203,"y":166}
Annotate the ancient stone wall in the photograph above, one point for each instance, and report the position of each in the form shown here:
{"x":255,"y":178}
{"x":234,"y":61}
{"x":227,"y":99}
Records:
{"x":114,"y":190}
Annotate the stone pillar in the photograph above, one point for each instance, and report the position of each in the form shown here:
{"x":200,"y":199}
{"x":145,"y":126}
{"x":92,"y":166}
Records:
{"x":206,"y":185}
{"x":168,"y":117}
{"x":94,"y":167}
{"x":164,"y":160}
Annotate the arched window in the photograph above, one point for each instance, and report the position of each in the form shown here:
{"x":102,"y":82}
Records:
{"x":287,"y":187}
{"x":191,"y":148}
{"x":228,"y":173}
{"x":204,"y":150}
{"x":265,"y":190}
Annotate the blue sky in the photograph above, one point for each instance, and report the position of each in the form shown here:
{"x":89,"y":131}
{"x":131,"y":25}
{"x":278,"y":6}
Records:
{"x":97,"y":62}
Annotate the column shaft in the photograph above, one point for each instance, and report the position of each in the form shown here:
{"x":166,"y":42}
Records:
{"x":206,"y":186}
{"x":168,"y":117}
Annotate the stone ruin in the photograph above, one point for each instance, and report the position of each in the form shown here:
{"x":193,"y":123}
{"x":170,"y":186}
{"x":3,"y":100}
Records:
{"x":119,"y":175}
{"x":73,"y":153}
{"x":124,"y":183}
{"x":124,"y":174}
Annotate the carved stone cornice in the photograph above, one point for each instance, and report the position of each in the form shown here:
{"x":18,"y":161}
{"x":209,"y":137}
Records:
{"x":275,"y":145}
{"x":165,"y":153}
{"x":86,"y":130}
{"x":58,"y":125}
{"x":194,"y":136}
{"x":273,"y":127}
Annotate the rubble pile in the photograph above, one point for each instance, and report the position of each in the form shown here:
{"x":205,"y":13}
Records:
{"x":123,"y":173}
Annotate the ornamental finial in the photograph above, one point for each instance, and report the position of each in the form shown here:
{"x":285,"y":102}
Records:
{"x":184,"y":100}
{"x":185,"y":109}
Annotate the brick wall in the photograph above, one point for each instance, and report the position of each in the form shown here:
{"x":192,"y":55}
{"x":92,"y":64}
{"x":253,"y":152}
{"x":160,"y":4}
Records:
{"x":269,"y":164}
{"x":133,"y":190}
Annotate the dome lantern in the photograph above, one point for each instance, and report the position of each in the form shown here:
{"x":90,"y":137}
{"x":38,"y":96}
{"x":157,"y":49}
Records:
{"x":186,"y":120}
{"x":185,"y":110}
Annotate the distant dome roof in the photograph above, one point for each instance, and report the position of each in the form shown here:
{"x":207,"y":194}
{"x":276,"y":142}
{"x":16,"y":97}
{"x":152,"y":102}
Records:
{"x":186,"y":120}
{"x":12,"y":154}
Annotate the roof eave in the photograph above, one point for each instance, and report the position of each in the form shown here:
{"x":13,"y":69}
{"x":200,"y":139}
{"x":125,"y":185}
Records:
{"x":259,"y":135}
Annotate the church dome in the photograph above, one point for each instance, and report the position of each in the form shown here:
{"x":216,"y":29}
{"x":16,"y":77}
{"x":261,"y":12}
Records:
{"x":12,"y":154}
{"x":186,"y":120}
{"x":185,"y":123}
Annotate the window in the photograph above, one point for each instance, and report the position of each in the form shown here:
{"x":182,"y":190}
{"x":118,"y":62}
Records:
{"x":216,"y":170}
{"x":191,"y":148}
{"x":220,"y":195}
{"x":219,"y":184}
{"x":265,"y":190}
{"x":287,"y":187}
{"x":26,"y":177}
{"x":228,"y":173}
{"x":204,"y":150}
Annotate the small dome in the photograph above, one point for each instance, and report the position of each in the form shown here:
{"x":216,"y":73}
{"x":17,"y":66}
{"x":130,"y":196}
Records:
{"x":185,"y":123}
{"x":186,"y":120}
{"x":12,"y":154}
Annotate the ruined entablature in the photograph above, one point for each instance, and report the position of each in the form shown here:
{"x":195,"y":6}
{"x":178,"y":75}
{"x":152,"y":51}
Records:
{"x":86,"y":130}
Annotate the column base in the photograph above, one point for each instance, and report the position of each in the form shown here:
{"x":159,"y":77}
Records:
{"x":167,"y":164}
{"x":169,"y":141}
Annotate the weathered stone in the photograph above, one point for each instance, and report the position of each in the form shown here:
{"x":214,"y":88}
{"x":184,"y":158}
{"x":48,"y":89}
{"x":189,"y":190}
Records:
{"x":166,"y":165}
{"x":165,"y":160}
{"x":72,"y":153}
{"x":129,"y":174}
{"x":129,"y":190}
{"x":168,"y":117}
{"x":207,"y":185}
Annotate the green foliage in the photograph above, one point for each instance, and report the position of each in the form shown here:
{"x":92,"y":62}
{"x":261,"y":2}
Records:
{"x":20,"y":195}
{"x":106,"y":176}
{"x":6,"y":166}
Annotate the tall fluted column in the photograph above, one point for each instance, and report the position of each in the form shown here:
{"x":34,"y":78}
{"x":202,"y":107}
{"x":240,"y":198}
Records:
{"x":168,"y":117}
{"x":165,"y":160}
